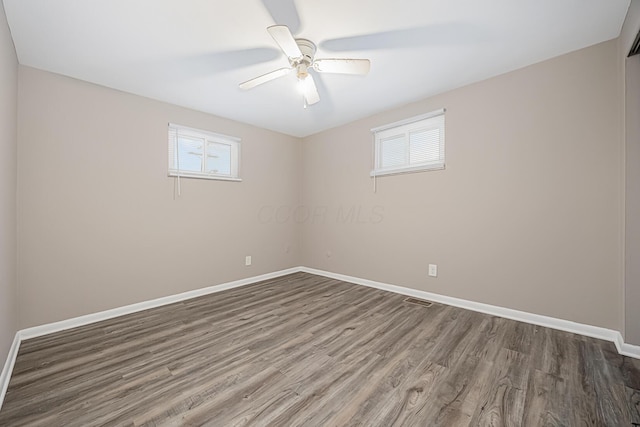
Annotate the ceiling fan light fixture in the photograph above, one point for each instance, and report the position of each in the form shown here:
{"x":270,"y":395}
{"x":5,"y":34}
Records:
{"x":301,"y":85}
{"x":302,"y":90}
{"x":304,"y":84}
{"x":302,"y":70}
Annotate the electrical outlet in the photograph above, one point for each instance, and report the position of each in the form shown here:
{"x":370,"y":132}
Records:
{"x":247,"y":260}
{"x":433,"y":270}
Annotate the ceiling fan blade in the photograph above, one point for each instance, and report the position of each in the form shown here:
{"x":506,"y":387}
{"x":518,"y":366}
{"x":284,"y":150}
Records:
{"x":342,"y":66}
{"x":285,"y":40}
{"x":265,"y":78}
{"x":309,"y":90}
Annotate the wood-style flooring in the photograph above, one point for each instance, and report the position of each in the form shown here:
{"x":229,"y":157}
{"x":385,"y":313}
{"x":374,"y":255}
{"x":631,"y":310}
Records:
{"x":304,"y":350}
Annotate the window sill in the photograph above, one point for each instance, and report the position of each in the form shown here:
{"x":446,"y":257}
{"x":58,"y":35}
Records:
{"x":411,"y":169}
{"x":210,"y":177}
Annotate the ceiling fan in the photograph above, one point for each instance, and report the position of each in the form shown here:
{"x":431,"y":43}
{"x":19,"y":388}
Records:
{"x":300,"y":53}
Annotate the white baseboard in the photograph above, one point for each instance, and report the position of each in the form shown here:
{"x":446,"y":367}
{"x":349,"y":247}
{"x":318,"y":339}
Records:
{"x":5,"y":376}
{"x":49,"y":328}
{"x":536,"y":319}
{"x":625,"y":349}
{"x":522,"y":316}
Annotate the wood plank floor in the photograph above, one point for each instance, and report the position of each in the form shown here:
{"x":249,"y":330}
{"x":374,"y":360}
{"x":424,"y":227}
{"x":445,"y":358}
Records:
{"x":304,"y":350}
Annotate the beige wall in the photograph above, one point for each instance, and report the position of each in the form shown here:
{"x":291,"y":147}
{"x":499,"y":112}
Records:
{"x":632,"y":175}
{"x":8,"y":164}
{"x":98,"y":224}
{"x":527,"y":214}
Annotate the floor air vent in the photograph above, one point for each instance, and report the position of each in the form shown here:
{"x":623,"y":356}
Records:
{"x":418,"y":302}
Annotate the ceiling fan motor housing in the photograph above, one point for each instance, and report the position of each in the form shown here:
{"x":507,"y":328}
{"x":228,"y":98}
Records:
{"x":308,"y":50}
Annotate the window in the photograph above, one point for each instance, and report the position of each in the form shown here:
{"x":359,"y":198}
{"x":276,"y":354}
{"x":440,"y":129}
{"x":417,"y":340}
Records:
{"x":197,"y":153}
{"x":411,"y":145}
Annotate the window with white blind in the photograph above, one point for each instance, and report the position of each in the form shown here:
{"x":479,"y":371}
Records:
{"x":411,"y":145}
{"x":195,"y":153}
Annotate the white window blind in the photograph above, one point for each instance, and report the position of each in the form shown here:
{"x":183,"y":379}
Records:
{"x":195,"y":153}
{"x":411,"y":145}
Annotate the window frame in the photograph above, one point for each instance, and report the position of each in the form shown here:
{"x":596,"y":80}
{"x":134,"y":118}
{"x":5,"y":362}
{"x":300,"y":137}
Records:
{"x":175,"y":130}
{"x":432,"y":120}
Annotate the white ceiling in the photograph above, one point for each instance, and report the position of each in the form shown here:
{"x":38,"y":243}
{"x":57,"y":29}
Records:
{"x":194,"y":53}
